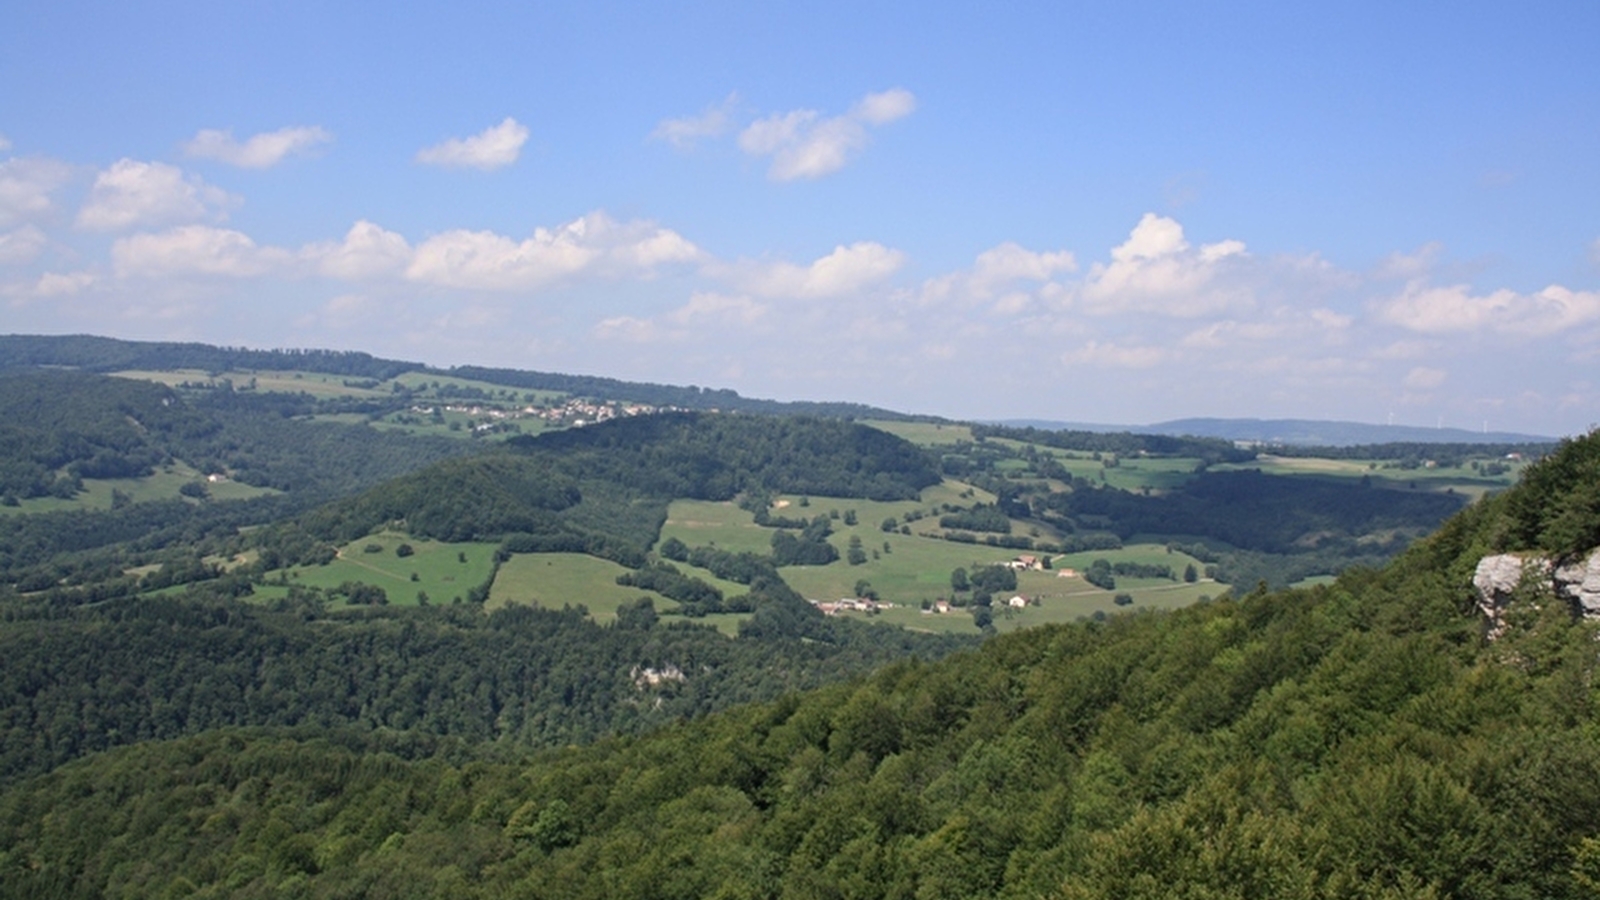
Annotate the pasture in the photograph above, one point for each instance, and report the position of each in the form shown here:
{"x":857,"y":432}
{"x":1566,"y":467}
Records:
{"x":441,"y":570}
{"x":163,"y":484}
{"x":554,"y":580}
{"x":924,"y":434}
{"x":1462,"y":479}
{"x":318,"y":385}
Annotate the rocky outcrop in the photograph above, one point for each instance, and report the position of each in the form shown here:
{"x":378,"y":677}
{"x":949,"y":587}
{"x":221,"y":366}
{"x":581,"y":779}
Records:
{"x":1498,"y":578}
{"x":1579,"y":582}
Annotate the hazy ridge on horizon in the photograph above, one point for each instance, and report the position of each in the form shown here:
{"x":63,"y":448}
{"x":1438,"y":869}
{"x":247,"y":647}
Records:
{"x":1299,"y":432}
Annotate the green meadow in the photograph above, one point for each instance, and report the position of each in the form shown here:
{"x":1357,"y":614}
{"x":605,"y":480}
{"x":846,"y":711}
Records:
{"x":1457,"y":479}
{"x":554,"y":580}
{"x":163,"y":484}
{"x":441,"y":570}
{"x":316,"y":384}
{"x":423,"y":384}
{"x":924,"y":434}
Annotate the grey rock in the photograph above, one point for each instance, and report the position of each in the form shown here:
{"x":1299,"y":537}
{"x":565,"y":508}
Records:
{"x":1579,"y":582}
{"x":1497,"y":578}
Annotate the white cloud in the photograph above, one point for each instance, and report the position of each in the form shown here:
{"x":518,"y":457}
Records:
{"x":1095,"y":353}
{"x":133,"y":193}
{"x":885,"y":107}
{"x":1331,"y":321}
{"x":594,"y":244}
{"x":52,"y":284}
{"x":22,"y":245}
{"x":1404,"y":350}
{"x":1424,"y":378}
{"x":845,"y":270}
{"x":1436,"y":310}
{"x":684,"y":133}
{"x":196,"y":250}
{"x":1011,"y":278}
{"x":1156,"y":271}
{"x":343,"y":311}
{"x":492,"y":148}
{"x":717,"y":312}
{"x":260,"y":151}
{"x":26,"y":186}
{"x":1409,"y":266}
{"x":803,"y":144}
{"x":367,"y":251}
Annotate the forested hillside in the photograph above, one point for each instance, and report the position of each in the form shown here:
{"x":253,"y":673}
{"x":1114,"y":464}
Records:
{"x":82,"y":680}
{"x":60,"y":430}
{"x":1357,"y":740}
{"x":100,"y":354}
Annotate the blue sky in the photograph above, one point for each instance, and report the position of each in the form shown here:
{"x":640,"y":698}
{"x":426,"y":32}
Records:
{"x":1070,"y":211}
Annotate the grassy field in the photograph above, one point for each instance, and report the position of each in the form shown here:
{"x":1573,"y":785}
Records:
{"x":1439,"y":479}
{"x":554,"y":580}
{"x":320,"y":385}
{"x":1063,"y":605}
{"x":422,"y":384}
{"x":924,"y":434}
{"x":439,"y":568}
{"x":314,"y":383}
{"x":162,"y":485}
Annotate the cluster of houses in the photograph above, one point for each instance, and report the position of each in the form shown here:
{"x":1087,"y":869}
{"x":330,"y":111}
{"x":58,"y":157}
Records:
{"x":573,"y":413}
{"x":1037,"y":564}
{"x":849,"y":604}
{"x":1016,"y":601}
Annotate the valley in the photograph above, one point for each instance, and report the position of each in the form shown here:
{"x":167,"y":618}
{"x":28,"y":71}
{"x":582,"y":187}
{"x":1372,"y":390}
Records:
{"x":791,"y":651}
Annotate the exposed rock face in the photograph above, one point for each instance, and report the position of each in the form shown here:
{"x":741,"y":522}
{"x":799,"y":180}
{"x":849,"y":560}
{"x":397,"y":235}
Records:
{"x":1498,"y":577}
{"x":1580,"y":582}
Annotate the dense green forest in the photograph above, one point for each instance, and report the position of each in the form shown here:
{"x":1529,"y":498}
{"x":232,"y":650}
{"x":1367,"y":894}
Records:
{"x":182,"y":713}
{"x":84,"y":679}
{"x":1361,"y":739}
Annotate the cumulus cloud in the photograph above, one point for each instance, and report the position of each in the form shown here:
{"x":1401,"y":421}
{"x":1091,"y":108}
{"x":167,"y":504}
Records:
{"x":684,"y":133}
{"x":196,"y":250}
{"x":843,"y":271}
{"x":885,"y":107}
{"x":26,"y":186}
{"x":1156,"y":271}
{"x":1000,"y":272}
{"x":1437,"y":310}
{"x":367,"y":251}
{"x":492,"y":148}
{"x":343,"y":311}
{"x":133,"y":193}
{"x":1424,"y":378}
{"x":260,"y":151}
{"x":22,"y":245}
{"x":594,"y":244}
{"x":704,"y":310}
{"x":1409,"y":266}
{"x":1095,"y":353}
{"x":804,"y":144}
{"x":53,"y":284}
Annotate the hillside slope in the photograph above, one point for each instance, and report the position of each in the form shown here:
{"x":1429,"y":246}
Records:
{"x":1357,"y":740}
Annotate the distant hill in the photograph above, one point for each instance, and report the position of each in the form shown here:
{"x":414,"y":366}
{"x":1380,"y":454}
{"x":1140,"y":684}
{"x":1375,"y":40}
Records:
{"x":1300,"y":432}
{"x":101,"y":354}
